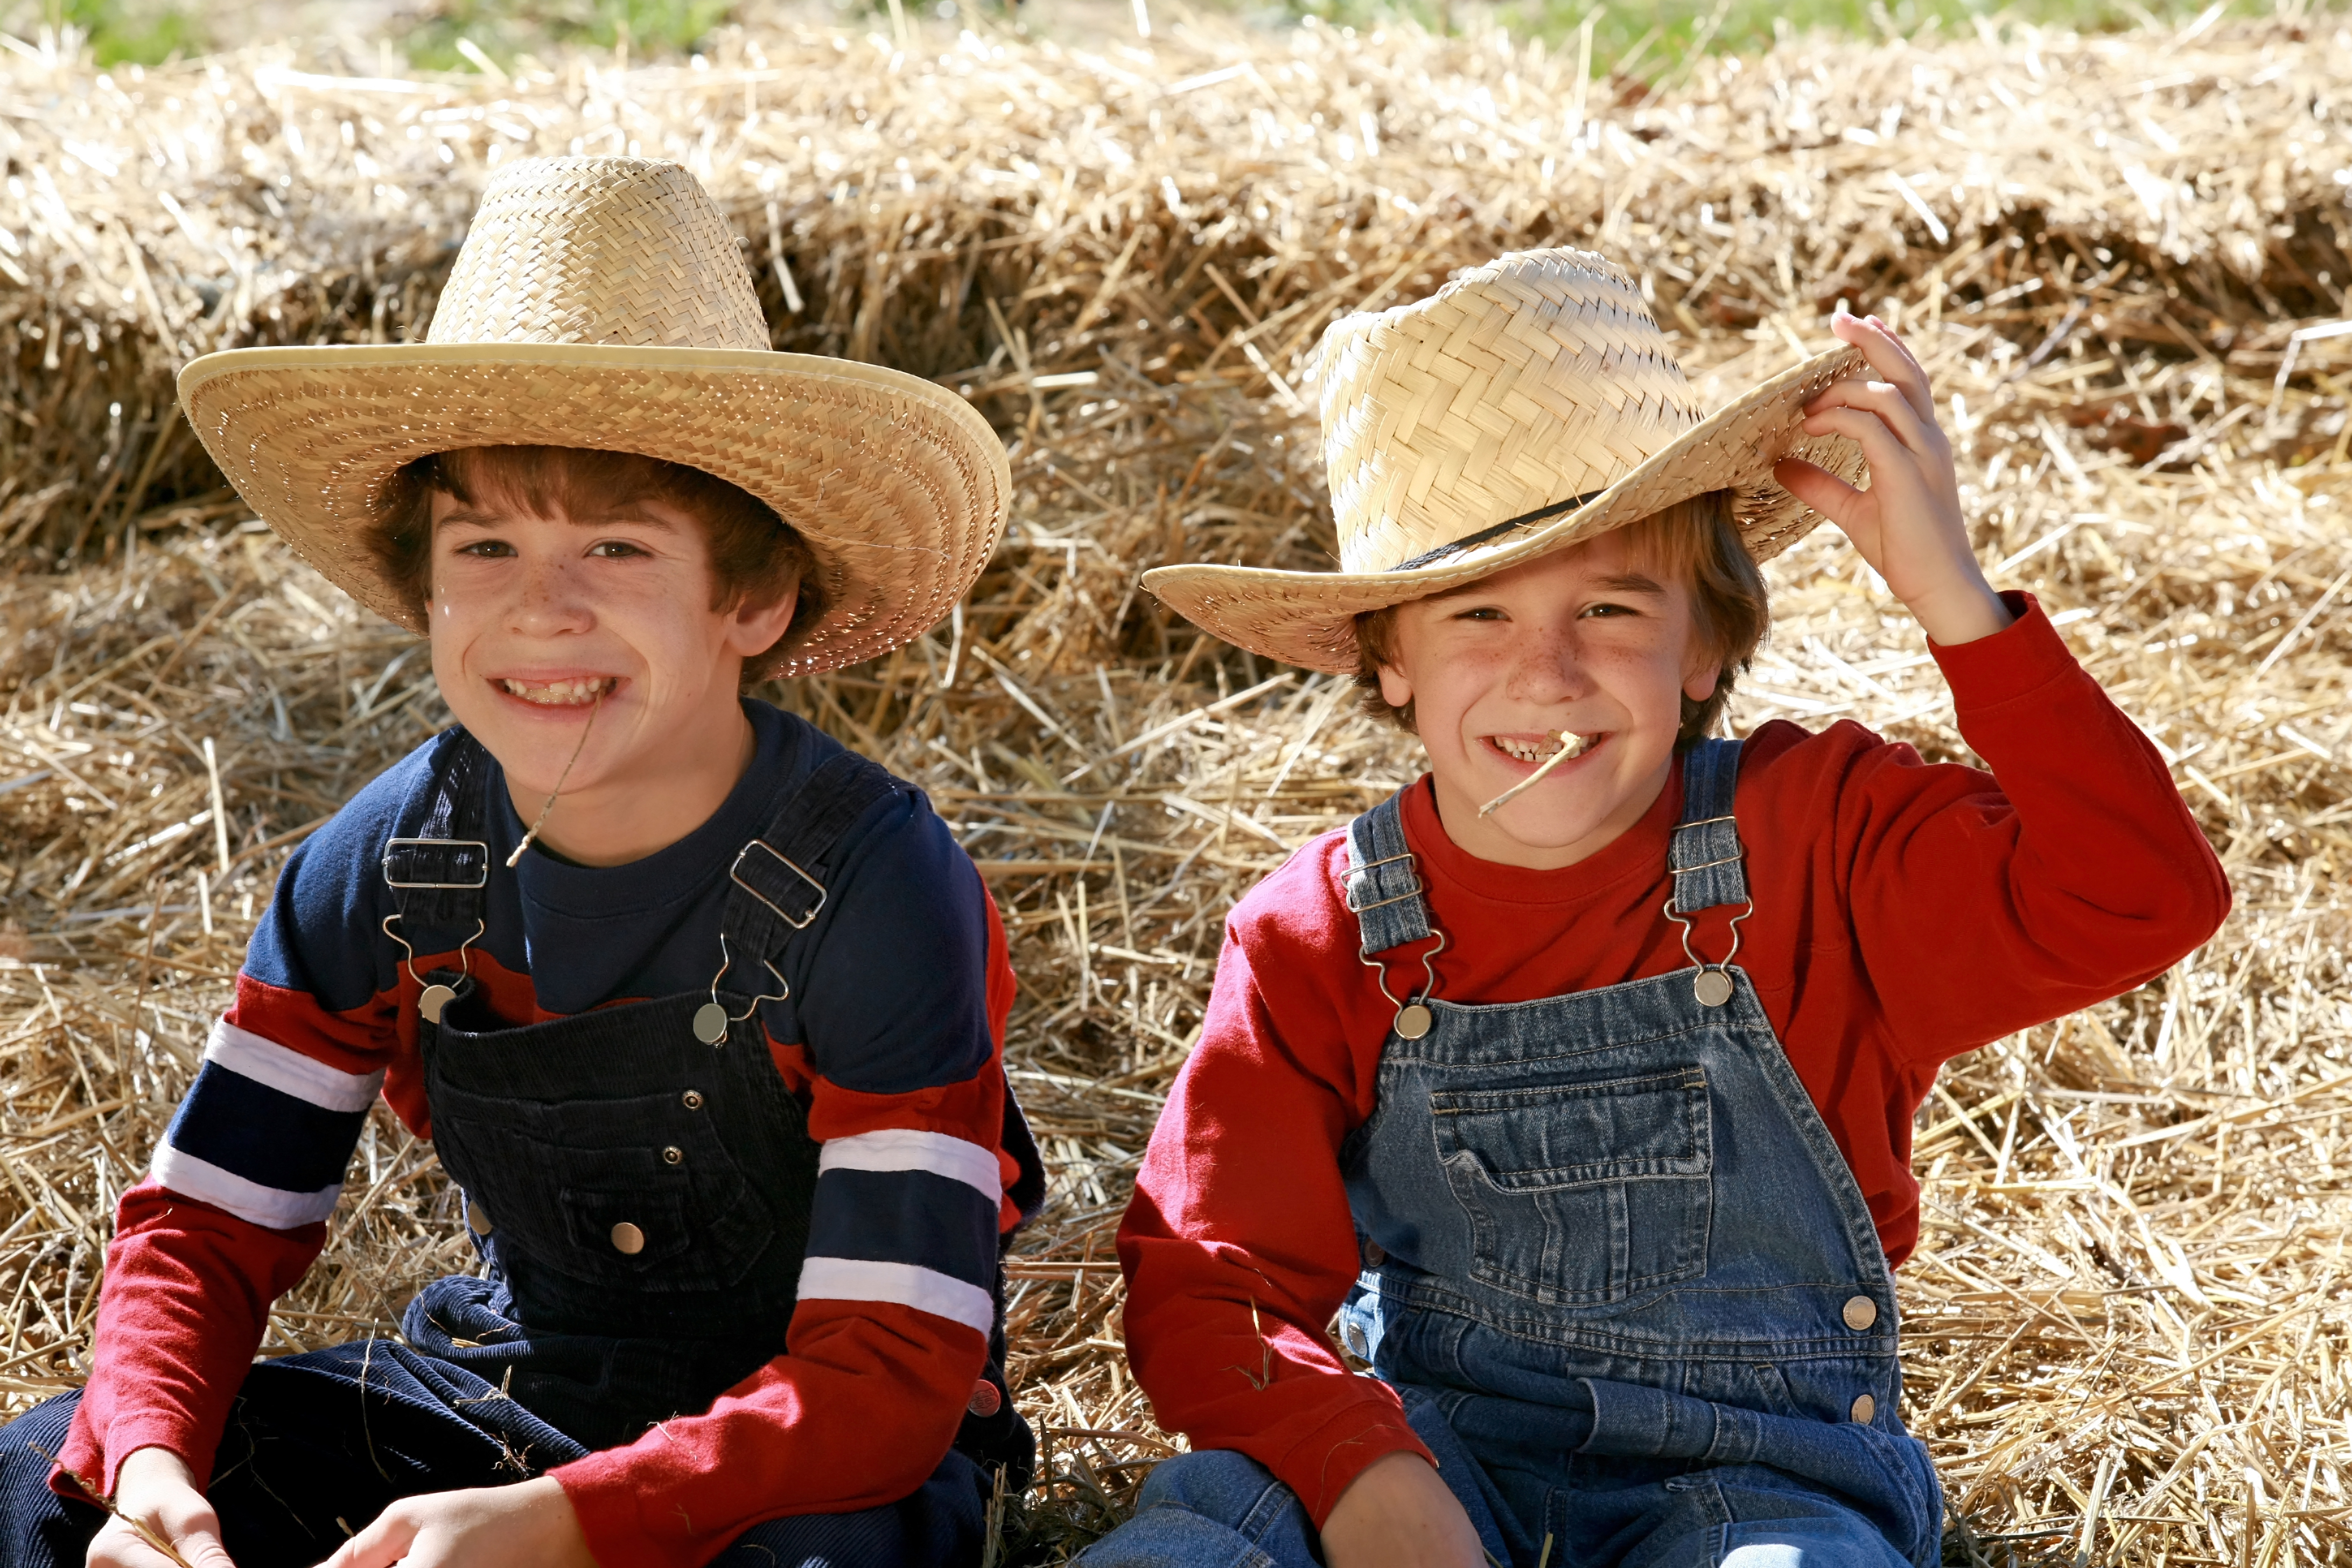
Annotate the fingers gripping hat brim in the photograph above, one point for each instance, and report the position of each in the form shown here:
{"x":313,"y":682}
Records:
{"x":1307,"y":618}
{"x":899,"y":488}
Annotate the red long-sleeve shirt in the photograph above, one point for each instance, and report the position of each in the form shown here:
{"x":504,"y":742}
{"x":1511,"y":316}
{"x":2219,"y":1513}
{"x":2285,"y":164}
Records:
{"x":1904,"y":913}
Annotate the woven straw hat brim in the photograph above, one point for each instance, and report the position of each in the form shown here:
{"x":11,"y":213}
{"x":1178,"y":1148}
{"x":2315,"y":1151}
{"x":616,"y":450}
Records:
{"x":898,"y":486}
{"x":1307,"y":618}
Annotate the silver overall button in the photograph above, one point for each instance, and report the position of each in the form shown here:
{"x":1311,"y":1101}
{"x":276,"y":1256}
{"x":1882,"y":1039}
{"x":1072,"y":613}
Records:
{"x":1713,"y":987}
{"x":691,"y":1100}
{"x":432,"y":1000}
{"x":674,"y":1155}
{"x":710,"y":1024}
{"x":1859,"y":1312}
{"x":628,"y":1241}
{"x":1865,"y":1407}
{"x":1413,"y":1021}
{"x":478,"y":1219}
{"x":1358,"y":1342}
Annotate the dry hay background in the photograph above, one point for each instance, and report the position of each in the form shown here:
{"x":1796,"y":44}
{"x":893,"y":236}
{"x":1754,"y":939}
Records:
{"x":2127,"y":1322}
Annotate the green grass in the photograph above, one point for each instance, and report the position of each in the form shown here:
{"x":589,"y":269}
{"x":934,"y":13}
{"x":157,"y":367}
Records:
{"x":147,"y":32}
{"x":120,"y":34}
{"x":1647,"y":39}
{"x":504,"y":29}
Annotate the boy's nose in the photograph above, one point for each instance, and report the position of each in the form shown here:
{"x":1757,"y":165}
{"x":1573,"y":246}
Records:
{"x":1551,"y":665}
{"x":548,"y":601}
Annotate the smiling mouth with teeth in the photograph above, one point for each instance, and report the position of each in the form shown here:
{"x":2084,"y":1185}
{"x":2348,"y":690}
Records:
{"x":1556,"y":743}
{"x":1565,"y":747}
{"x":577,"y":693}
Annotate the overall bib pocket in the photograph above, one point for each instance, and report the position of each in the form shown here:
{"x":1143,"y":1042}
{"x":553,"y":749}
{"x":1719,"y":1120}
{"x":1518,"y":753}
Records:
{"x":643,"y":1192}
{"x":1579,"y":1194}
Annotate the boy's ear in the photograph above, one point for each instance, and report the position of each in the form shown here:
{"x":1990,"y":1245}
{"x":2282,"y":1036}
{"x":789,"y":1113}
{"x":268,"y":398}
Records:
{"x":1395,"y":689}
{"x":754,"y":628}
{"x":1700,"y":683}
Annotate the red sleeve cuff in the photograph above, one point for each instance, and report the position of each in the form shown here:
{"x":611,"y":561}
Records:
{"x":605,"y":1501}
{"x":99,"y":1461}
{"x":1321,"y":1466}
{"x":2021,"y":658}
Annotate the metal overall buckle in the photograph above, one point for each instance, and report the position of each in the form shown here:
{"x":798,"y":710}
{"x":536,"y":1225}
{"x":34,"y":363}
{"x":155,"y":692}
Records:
{"x":431,"y":1000}
{"x":1414,"y":1018}
{"x":712,"y":1019}
{"x":1712,"y":984}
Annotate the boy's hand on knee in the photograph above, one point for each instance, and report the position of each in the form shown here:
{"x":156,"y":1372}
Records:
{"x":154,"y":1488}
{"x":528,"y":1525}
{"x":1907,"y":524}
{"x":1399,"y":1514}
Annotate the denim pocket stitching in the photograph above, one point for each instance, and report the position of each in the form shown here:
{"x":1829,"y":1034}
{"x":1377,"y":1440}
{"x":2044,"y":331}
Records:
{"x":1482,"y":1147}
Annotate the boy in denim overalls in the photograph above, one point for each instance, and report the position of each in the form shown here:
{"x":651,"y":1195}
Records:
{"x":1578,"y":1076}
{"x":703,"y":1012}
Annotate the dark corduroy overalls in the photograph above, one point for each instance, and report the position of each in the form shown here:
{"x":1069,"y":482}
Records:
{"x":639,"y":1182}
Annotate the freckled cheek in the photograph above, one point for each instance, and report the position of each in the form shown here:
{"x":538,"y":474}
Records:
{"x":1463,"y":673}
{"x":1649,"y":682}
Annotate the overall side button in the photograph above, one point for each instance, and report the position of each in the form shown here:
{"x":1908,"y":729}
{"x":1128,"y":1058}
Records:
{"x":628,"y":1241}
{"x":1859,"y":1312}
{"x":1865,"y":1408}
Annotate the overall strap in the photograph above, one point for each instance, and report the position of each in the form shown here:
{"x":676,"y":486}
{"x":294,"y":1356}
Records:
{"x":1705,"y":853}
{"x":437,"y":861}
{"x":779,"y":879}
{"x":1384,"y":888}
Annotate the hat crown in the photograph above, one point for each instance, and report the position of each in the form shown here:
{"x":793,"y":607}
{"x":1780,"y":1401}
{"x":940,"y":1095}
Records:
{"x":599,"y":250}
{"x":1521,"y":385}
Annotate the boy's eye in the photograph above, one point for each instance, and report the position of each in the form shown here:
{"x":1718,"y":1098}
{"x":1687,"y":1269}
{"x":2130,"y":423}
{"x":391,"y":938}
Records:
{"x":1480,"y":612}
{"x":485,"y":549}
{"x":1610,"y":609}
{"x":613,"y":549}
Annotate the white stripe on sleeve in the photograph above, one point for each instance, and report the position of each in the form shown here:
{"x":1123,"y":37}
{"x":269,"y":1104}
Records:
{"x":288,"y":1071}
{"x":925,"y":1289}
{"x":265,"y":1206}
{"x":905,"y":1149}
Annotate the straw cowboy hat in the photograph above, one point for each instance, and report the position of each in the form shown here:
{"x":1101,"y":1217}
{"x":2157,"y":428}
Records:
{"x":602,"y":302}
{"x":1528,"y":404}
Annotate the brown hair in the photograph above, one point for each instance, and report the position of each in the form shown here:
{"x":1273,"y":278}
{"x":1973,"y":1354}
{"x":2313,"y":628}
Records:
{"x":1695,"y":542}
{"x":756,"y":557}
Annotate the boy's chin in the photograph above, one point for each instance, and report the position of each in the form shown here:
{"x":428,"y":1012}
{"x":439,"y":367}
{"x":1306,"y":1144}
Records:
{"x":533,"y":771}
{"x":1548,"y":829}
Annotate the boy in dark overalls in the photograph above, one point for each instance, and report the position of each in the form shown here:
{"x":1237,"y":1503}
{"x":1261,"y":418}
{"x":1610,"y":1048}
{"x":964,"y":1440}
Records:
{"x":1578,"y":1076}
{"x":703,"y":1012}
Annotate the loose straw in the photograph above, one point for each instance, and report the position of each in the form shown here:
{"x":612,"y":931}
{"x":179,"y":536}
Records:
{"x":540,"y":821}
{"x":1569,"y":746}
{"x":2111,"y":1204}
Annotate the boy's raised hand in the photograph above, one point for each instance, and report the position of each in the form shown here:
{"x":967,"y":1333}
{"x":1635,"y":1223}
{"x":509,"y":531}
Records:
{"x":1397,"y":1513}
{"x":1907,"y":524}
{"x":526,"y":1525}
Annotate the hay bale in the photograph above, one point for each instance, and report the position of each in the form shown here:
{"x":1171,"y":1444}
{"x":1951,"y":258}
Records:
{"x":2128,"y":1313}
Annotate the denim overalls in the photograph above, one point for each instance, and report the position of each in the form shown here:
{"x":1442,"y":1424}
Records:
{"x":1614,"y":1263}
{"x":638,"y":1181}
